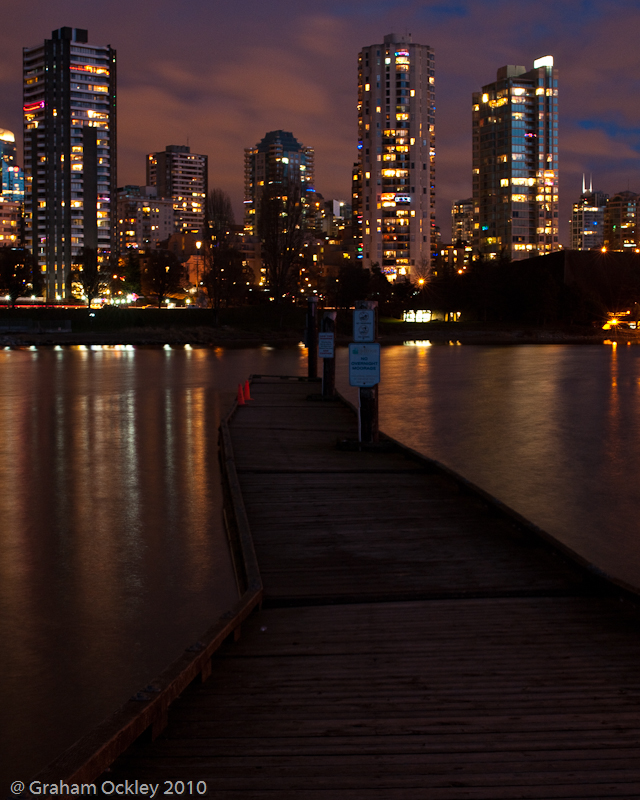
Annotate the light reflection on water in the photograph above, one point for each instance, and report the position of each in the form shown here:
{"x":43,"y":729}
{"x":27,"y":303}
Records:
{"x":113,"y":556}
{"x":551,"y":430}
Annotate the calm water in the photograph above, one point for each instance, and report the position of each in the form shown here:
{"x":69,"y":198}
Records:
{"x":112,"y":554}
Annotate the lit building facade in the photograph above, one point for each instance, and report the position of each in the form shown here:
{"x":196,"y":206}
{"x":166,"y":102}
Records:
{"x":515,"y":162}
{"x":183,"y":176}
{"x":278,"y":159}
{"x":622,"y":222}
{"x":462,"y":221}
{"x":395,"y":209}
{"x":587,"y":220}
{"x":69,"y":152}
{"x":10,"y":218}
{"x":143,"y":218}
{"x":12,"y":174}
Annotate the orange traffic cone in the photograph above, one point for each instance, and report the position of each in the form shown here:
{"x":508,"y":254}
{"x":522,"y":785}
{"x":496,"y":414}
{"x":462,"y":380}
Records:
{"x":247,"y":392}
{"x":240,"y":395}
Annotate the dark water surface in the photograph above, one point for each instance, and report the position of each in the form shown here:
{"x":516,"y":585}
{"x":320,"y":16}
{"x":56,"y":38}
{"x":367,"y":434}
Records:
{"x":113,"y":556}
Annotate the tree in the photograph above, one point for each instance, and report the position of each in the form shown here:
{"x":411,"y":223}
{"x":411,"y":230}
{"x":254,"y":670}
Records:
{"x":281,"y":234}
{"x":89,"y":273}
{"x":225,"y":276}
{"x":354,"y":282}
{"x":19,"y":274}
{"x":220,"y":217}
{"x":162,"y":274}
{"x":129,"y":268}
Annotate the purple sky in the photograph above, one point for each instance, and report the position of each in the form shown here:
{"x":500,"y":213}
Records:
{"x":223,"y":74}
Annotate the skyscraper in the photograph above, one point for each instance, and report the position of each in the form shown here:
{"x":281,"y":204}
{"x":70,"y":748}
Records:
{"x":183,"y":176}
{"x":69,"y":152}
{"x":515,"y":162}
{"x":587,"y":219}
{"x":396,"y":154}
{"x":462,"y":221}
{"x":279,"y":159}
{"x":622,"y":222}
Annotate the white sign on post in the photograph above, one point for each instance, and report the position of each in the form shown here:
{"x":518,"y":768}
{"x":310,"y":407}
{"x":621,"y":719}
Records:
{"x":325,"y":345}
{"x":364,"y":325}
{"x":364,"y":364}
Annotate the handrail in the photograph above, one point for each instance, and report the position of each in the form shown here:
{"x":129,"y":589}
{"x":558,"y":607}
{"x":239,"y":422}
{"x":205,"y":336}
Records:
{"x":87,"y":759}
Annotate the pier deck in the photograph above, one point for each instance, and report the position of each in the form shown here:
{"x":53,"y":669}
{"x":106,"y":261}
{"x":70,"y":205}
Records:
{"x":415,"y":642}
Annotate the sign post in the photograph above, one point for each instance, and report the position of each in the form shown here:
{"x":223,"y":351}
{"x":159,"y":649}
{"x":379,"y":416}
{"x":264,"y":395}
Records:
{"x":364,"y":368}
{"x":312,"y":337}
{"x":326,"y":351}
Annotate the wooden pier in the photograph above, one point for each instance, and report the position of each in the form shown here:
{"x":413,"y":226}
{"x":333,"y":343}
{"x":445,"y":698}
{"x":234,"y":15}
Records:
{"x":415,"y":639}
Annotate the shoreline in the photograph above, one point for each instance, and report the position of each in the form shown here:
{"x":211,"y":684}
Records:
{"x":226,"y":336}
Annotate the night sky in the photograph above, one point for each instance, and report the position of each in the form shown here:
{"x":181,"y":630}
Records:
{"x":221,"y":75}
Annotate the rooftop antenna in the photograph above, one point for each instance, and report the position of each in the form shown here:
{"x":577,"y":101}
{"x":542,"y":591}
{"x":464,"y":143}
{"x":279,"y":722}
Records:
{"x":591,"y":182}
{"x":583,"y":186}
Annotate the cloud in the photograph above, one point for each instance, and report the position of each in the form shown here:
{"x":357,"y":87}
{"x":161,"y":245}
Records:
{"x":225,"y":74}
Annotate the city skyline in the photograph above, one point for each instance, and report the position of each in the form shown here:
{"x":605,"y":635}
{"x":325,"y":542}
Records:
{"x":216,"y":80}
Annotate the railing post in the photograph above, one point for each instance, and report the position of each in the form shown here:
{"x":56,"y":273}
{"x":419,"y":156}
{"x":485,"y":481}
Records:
{"x":329,"y":364}
{"x":312,"y":336}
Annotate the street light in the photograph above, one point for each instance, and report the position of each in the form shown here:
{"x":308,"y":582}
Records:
{"x":198,"y":245}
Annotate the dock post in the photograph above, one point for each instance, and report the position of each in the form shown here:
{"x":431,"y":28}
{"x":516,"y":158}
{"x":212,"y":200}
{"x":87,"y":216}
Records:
{"x":329,"y":364}
{"x":368,"y":415}
{"x":312,"y":336}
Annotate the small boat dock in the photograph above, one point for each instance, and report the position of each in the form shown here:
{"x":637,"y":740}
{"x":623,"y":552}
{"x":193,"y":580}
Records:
{"x":415,"y":639}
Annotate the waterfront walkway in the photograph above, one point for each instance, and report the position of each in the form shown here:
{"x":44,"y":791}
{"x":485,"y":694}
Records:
{"x":415,"y":641}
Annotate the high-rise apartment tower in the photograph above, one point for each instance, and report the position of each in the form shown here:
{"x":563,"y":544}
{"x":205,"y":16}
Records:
{"x":462,"y":221}
{"x":622,"y":222}
{"x":395,"y":206}
{"x":587,"y":219}
{"x":69,"y":152}
{"x":183,"y":176}
{"x":278,"y":160}
{"x":515,"y":162}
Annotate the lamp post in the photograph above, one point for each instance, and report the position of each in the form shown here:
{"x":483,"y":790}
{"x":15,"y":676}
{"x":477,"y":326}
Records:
{"x":198,"y":245}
